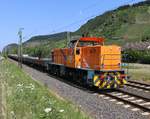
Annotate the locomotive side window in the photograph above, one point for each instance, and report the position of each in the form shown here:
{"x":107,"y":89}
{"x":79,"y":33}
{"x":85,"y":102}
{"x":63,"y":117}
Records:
{"x":78,"y":51}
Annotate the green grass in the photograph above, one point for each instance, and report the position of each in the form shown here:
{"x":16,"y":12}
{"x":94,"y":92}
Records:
{"x":139,"y":71}
{"x":26,"y":99}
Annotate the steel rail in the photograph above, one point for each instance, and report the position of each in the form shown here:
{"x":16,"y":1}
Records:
{"x":139,"y":87}
{"x":136,"y":82}
{"x":144,"y":108}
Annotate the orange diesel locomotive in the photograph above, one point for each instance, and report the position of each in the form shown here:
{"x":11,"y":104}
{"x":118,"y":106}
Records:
{"x":89,"y":62}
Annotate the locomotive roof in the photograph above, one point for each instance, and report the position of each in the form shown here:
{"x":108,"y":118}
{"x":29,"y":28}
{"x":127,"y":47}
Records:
{"x":92,"y":39}
{"x":88,"y":39}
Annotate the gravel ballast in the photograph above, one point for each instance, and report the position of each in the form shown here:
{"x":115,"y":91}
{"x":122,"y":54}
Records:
{"x":92,"y":103}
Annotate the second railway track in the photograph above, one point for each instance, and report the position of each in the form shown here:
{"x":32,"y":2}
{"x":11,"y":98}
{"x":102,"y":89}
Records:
{"x":138,"y":85}
{"x":141,"y":103}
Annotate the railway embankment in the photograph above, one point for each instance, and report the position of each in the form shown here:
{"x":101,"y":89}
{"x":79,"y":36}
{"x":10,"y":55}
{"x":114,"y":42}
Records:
{"x":24,"y":98}
{"x":97,"y":105}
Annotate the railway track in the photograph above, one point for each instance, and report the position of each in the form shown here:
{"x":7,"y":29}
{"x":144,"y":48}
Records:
{"x":139,"y":102}
{"x":132,"y":99}
{"x":138,"y":85}
{"x":126,"y":97}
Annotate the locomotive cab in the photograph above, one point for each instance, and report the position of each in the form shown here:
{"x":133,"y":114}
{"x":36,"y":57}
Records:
{"x":91,"y":53}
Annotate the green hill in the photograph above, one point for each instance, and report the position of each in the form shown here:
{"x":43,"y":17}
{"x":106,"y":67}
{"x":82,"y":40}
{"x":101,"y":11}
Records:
{"x":43,"y":44}
{"x":126,"y":24}
{"x":44,"y":39}
{"x":129,"y":23}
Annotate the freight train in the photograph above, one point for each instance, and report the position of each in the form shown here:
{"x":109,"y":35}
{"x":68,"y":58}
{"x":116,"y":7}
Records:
{"x":87,"y":61}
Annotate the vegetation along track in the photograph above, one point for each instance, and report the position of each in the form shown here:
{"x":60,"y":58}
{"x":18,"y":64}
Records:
{"x":126,"y":97}
{"x":129,"y":98}
{"x":138,"y":85}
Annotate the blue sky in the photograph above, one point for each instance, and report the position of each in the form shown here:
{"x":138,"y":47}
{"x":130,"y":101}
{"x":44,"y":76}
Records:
{"x":48,"y":16}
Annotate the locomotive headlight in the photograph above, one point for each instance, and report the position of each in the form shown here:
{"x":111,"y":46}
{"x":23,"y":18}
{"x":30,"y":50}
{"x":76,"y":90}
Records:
{"x":123,"y":76}
{"x":78,"y":66}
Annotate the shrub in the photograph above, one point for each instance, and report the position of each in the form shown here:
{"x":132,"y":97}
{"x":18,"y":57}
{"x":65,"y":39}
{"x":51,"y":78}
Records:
{"x":136,"y":56}
{"x":131,"y":56}
{"x":145,"y":58}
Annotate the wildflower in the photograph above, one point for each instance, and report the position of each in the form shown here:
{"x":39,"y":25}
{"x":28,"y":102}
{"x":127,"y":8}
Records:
{"x":31,"y":86}
{"x":47,"y":110}
{"x":19,"y":85}
{"x":61,"y":110}
{"x":12,"y":113}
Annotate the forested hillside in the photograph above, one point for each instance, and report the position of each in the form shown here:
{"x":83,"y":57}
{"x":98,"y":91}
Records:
{"x":124,"y":25}
{"x":129,"y":23}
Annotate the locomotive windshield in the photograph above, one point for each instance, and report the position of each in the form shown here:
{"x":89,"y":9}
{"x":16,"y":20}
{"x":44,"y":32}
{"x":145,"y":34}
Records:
{"x":89,"y":43}
{"x":82,"y":42}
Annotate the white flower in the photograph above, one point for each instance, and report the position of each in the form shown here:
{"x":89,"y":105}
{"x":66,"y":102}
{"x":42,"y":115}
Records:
{"x":19,"y":85}
{"x":31,"y":86}
{"x":47,"y":110}
{"x":12,"y":112}
{"x":61,"y":110}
